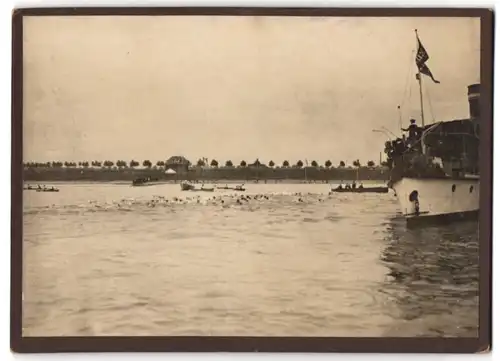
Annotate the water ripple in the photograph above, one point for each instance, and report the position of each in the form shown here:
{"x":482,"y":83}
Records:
{"x":118,"y":260}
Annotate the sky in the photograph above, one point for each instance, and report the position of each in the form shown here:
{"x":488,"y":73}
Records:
{"x":236,"y":88}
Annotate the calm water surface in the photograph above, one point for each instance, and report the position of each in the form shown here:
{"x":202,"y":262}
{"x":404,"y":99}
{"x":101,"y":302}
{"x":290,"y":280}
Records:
{"x":104,"y":259}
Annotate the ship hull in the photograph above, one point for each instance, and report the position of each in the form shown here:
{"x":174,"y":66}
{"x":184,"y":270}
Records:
{"x":436,"y":201}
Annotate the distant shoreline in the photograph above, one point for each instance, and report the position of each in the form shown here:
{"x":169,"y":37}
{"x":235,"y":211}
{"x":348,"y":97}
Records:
{"x":216,"y":175}
{"x":219,"y":182}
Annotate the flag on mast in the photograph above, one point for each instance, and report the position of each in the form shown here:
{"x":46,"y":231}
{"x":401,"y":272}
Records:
{"x":420,"y":59}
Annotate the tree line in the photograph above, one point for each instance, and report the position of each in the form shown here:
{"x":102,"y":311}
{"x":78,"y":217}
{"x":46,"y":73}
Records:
{"x":285,"y":164}
{"x":202,"y":162}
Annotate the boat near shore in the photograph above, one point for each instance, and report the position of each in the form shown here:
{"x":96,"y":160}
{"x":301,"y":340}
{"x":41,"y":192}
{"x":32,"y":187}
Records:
{"x":148,"y":181}
{"x":40,"y":188}
{"x":187,"y":186}
{"x":361,"y":190}
{"x":237,"y":188}
{"x":45,"y":189}
{"x":48,"y":190}
{"x":203,"y":190}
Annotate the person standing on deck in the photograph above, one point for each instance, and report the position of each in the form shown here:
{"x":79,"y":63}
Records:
{"x":414,"y":132}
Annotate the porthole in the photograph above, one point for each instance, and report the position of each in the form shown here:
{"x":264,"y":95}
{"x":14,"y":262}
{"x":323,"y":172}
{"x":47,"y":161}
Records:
{"x":413,"y":196}
{"x":453,"y":188}
{"x":471,"y":189}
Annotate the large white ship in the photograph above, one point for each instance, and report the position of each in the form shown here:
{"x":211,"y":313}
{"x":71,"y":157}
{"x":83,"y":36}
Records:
{"x":435,"y":174}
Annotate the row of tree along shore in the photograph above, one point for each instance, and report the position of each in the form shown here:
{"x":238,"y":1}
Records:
{"x":200,"y":163}
{"x":129,"y":171}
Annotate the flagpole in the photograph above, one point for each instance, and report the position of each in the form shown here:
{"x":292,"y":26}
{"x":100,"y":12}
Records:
{"x":420,"y":86}
{"x":400,"y":118}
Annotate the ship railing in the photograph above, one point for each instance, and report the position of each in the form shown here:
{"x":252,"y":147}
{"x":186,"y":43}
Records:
{"x":424,"y":134}
{"x":423,"y":137}
{"x":421,"y":140}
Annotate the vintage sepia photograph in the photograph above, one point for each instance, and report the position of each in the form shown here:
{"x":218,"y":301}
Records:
{"x":288,"y":176}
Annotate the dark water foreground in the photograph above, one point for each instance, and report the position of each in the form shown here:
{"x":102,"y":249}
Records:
{"x":288,"y":260}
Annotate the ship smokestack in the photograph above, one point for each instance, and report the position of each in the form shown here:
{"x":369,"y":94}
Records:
{"x":474,"y":94}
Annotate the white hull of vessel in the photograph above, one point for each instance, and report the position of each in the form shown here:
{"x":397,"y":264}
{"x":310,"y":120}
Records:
{"x":443,"y":198}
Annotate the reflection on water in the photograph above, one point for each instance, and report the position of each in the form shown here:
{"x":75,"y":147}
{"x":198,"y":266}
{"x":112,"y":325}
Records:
{"x":278,"y":260}
{"x":433,"y":279}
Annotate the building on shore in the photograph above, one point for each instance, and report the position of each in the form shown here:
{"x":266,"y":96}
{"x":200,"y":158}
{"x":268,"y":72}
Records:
{"x":257,"y":164}
{"x":178,"y":163}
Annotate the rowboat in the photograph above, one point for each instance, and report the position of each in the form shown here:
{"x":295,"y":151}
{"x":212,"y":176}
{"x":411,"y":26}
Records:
{"x":145,"y":182}
{"x":361,"y":190}
{"x":237,"y":188}
{"x":47,"y":190}
{"x":186,"y":186}
{"x":203,"y":190}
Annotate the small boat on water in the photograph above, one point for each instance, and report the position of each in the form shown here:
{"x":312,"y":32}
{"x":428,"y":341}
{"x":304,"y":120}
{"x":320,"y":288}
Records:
{"x":145,"y":182}
{"x":361,"y":190}
{"x":237,"y":188}
{"x":39,"y":188}
{"x":203,"y":190}
{"x":187,"y":186}
{"x":52,"y":189}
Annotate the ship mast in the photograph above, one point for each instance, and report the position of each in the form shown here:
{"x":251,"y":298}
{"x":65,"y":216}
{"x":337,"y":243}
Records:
{"x":419,"y":76}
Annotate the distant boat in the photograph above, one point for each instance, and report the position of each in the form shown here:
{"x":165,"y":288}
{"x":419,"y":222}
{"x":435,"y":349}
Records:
{"x":186,"y":186}
{"x":361,"y":190}
{"x":237,"y":188}
{"x":203,"y":190}
{"x":40,"y":188}
{"x":144,"y":182}
{"x":47,"y":190}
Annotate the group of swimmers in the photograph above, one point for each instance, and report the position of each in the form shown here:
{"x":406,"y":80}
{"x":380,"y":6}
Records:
{"x":225,"y":200}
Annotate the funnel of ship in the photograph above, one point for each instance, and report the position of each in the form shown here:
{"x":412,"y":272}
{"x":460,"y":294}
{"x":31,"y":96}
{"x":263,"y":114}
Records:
{"x":474,"y":95}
